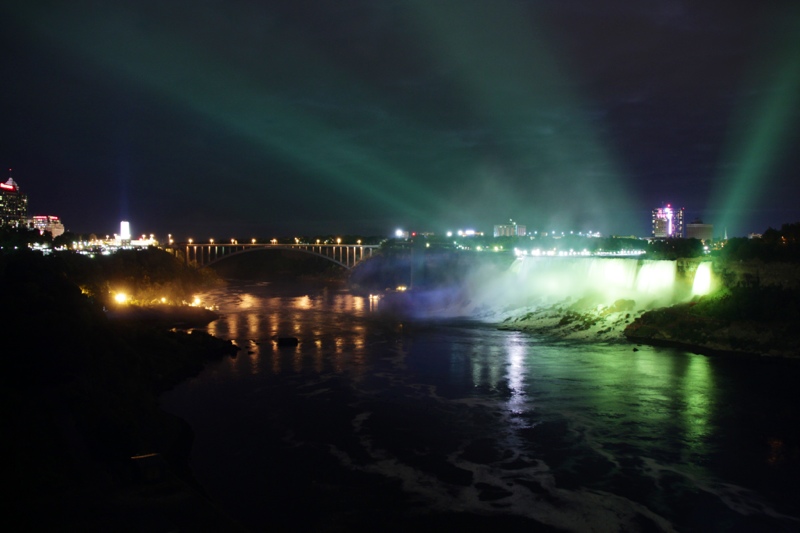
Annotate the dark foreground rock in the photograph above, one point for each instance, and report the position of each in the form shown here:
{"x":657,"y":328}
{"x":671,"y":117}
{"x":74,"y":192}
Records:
{"x":79,"y":400}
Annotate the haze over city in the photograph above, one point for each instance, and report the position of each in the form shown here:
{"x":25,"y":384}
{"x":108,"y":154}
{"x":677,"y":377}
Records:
{"x":359,"y":116}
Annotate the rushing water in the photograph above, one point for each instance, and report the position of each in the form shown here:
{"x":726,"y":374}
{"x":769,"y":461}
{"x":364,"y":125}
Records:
{"x":370,"y":423}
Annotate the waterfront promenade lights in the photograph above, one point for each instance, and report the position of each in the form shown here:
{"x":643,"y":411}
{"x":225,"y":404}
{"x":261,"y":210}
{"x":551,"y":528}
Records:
{"x":191,"y":240}
{"x":211,"y":241}
{"x":317,"y":241}
{"x":358,"y":242}
{"x":338,"y":241}
{"x":252,"y":241}
{"x":274,"y":241}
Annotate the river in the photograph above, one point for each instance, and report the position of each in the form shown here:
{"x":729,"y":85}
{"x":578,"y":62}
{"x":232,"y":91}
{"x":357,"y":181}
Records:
{"x":375,"y":423}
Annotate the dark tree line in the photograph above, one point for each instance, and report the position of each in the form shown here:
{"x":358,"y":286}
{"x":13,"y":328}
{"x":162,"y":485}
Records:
{"x":774,"y":245}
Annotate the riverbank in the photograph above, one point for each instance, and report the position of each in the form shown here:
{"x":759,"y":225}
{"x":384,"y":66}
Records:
{"x":682,"y":327}
{"x":166,"y":316}
{"x":746,"y":321}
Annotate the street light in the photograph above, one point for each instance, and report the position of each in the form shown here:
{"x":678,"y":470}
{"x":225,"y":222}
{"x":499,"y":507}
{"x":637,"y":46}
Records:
{"x":252,"y":241}
{"x":338,"y":241}
{"x":211,"y":241}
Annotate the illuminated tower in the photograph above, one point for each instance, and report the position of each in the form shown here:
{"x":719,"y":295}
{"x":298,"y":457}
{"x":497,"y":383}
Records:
{"x":667,"y":222}
{"x":125,"y":233}
{"x":13,"y":203}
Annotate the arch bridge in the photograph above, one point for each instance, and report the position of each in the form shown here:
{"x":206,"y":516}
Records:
{"x":345,"y":255}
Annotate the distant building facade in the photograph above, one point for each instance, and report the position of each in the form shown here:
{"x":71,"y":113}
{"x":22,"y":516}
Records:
{"x":512,"y":229}
{"x":13,"y":204}
{"x":698,"y":230}
{"x":47,"y":223}
{"x":667,"y":222}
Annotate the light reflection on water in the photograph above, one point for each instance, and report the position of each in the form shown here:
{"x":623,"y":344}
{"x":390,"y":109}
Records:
{"x":603,"y":431}
{"x":254,"y":320}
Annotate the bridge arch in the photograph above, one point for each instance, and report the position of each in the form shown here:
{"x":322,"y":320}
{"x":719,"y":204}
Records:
{"x":260,"y":249}
{"x":344,"y":255}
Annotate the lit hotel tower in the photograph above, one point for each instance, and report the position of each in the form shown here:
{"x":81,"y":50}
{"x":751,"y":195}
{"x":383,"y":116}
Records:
{"x":667,"y":222}
{"x":13,"y":203}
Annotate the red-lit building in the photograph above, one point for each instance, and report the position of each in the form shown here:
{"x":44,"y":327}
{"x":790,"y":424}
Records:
{"x":13,"y":204}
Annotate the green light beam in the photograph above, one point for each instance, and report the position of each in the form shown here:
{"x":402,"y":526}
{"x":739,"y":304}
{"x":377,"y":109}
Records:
{"x":171,"y":67}
{"x":517,"y":85}
{"x":762,"y":133}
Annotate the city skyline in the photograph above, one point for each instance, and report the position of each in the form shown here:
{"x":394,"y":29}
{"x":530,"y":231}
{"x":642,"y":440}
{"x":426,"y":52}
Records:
{"x":661,"y":225}
{"x":361,"y":117}
{"x":666,"y":222}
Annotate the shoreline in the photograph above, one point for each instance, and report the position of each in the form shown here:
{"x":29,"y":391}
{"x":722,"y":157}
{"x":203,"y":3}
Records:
{"x":669,"y":326}
{"x":171,"y":316}
{"x":677,"y":326}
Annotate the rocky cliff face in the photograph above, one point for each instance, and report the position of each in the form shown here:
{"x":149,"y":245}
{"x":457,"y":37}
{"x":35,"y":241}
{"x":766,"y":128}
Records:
{"x":754,"y":273}
{"x":755,"y":311}
{"x":678,"y":327}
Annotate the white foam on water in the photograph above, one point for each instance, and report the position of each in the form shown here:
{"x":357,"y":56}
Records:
{"x":579,"y":510}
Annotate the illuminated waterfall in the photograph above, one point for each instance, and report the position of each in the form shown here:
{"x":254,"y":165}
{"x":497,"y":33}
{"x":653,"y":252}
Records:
{"x":582,"y":283}
{"x":656,"y":278}
{"x":703,"y":279}
{"x":603,"y":279}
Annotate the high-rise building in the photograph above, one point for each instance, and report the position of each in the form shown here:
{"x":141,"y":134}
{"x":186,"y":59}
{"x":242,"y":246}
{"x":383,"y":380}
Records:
{"x":698,"y":230}
{"x":13,"y":204}
{"x":667,"y":222}
{"x":512,"y":229}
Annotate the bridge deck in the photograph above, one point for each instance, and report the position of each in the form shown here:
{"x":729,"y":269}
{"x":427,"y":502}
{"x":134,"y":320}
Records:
{"x":346,"y":255}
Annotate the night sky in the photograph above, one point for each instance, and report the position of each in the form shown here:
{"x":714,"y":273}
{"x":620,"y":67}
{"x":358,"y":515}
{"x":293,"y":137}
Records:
{"x":237,"y":118}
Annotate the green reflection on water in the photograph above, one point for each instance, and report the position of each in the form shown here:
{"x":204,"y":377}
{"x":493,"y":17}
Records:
{"x":662,"y":396}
